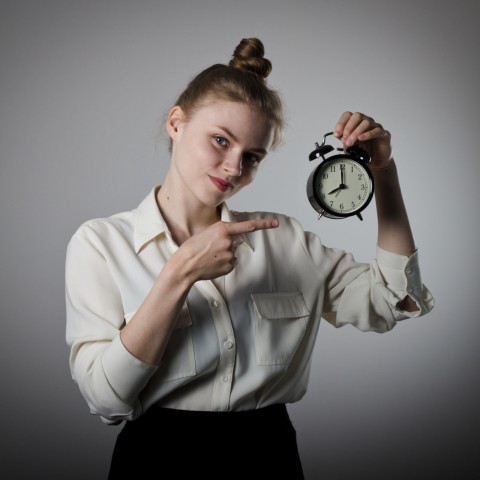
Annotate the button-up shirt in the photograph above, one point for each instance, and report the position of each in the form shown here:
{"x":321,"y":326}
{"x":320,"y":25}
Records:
{"x":242,"y":341}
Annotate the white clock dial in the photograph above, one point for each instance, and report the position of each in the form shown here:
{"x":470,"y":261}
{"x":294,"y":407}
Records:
{"x":343,"y":186}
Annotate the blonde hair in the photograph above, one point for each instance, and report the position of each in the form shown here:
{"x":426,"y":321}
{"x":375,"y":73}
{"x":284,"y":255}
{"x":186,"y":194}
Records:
{"x":244,"y":80}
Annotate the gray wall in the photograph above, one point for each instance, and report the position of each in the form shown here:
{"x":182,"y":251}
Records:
{"x":84,"y":87}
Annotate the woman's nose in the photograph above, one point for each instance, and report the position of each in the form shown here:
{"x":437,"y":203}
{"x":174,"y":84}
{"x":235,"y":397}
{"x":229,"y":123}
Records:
{"x":233,"y":165}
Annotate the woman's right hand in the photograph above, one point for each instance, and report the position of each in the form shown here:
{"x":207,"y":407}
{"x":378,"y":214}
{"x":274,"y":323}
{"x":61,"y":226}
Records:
{"x":211,"y":253}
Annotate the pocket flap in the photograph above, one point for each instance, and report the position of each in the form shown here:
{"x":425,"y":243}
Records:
{"x":280,"y":305}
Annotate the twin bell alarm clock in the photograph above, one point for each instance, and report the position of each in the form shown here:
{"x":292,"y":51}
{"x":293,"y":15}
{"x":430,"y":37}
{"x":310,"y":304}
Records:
{"x":342,"y":184}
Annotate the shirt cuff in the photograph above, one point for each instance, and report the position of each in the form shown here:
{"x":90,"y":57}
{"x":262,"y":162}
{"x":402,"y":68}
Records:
{"x":126,"y":374}
{"x":399,"y":271}
{"x":401,"y":275}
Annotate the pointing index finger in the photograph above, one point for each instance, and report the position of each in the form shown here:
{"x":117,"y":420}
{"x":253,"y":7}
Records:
{"x":235,"y":228}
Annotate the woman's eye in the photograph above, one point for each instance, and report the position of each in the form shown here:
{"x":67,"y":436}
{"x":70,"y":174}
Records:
{"x":221,"y":140}
{"x":251,"y":158}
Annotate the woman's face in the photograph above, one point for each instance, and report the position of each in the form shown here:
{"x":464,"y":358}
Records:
{"x":217,"y":151}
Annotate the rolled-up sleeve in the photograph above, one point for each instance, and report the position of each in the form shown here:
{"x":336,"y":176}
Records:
{"x":368,"y":296}
{"x":401,"y":277}
{"x":109,"y":377}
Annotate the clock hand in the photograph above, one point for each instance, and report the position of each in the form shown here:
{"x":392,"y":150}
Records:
{"x":342,"y":186}
{"x":342,"y":181}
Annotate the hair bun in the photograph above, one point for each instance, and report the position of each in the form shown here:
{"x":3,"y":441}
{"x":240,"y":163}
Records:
{"x":249,"y":56}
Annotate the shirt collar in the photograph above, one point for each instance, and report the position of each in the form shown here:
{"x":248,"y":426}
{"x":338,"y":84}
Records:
{"x":149,"y":222}
{"x":227,"y":216}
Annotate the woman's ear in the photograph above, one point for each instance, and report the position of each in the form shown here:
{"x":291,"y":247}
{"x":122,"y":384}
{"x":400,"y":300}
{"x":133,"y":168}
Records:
{"x":174,"y":121}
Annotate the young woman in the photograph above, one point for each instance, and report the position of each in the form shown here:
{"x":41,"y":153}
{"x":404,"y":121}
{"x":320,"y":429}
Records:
{"x":195,"y":324}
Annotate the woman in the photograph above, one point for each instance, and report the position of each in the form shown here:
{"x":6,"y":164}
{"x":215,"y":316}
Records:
{"x":195,"y":324}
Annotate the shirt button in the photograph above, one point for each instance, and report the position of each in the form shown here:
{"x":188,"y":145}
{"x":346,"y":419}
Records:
{"x":225,"y":379}
{"x":410,"y":290}
{"x":217,"y":304}
{"x":228,"y":344}
{"x":408,"y":270}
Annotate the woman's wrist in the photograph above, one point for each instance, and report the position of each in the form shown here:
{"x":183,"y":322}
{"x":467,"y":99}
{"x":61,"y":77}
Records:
{"x":385,"y":167}
{"x":177,"y":271}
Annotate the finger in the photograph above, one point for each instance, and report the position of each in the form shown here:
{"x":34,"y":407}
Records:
{"x":237,"y":240}
{"x":340,"y":126}
{"x":362,"y":128}
{"x":236,"y":228}
{"x":354,"y":121}
{"x":350,"y":125}
{"x":356,"y":125}
{"x":377,"y":132}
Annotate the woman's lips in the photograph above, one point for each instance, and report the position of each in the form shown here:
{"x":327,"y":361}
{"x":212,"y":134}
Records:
{"x":222,"y":185}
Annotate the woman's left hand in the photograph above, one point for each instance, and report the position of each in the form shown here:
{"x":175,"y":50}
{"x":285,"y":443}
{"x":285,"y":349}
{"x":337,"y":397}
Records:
{"x":370,"y":135}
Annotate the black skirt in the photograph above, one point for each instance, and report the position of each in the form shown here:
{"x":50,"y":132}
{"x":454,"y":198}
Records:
{"x":179,"y":444}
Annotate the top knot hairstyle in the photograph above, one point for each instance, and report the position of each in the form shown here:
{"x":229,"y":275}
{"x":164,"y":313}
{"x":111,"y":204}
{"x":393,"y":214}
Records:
{"x":249,"y":56}
{"x":244,"y":80}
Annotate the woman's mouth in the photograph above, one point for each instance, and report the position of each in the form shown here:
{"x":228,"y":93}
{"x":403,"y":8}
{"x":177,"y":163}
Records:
{"x":221,"y":184}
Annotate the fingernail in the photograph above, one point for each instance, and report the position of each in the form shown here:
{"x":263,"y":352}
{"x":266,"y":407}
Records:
{"x":274,"y":223}
{"x":338,"y":133}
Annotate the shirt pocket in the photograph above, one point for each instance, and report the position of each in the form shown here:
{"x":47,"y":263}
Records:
{"x":280,"y":323}
{"x":178,"y":360}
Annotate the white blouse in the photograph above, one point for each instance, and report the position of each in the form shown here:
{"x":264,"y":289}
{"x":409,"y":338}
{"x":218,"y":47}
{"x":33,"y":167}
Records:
{"x":241,"y":342}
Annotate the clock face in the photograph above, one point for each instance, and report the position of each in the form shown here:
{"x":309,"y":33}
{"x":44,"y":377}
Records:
{"x":343,"y":186}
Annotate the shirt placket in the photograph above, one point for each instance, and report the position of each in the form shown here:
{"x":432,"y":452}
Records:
{"x":223,"y":382}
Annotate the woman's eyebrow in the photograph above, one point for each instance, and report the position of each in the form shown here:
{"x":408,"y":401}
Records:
{"x":235,"y":139}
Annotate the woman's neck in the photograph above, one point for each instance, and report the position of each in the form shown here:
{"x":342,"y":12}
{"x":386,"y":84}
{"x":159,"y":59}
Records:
{"x":184,"y":217}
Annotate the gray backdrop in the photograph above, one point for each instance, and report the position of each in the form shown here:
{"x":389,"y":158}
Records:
{"x":84,"y":88}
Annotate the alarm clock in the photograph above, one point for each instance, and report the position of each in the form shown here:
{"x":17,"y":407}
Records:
{"x":342,"y":185}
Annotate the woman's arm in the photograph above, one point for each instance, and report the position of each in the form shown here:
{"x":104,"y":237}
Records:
{"x":394,"y":232}
{"x":204,"y":256}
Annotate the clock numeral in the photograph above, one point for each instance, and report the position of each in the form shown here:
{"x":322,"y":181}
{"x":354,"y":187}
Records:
{"x":331,"y":203}
{"x":359,"y":197}
{"x":353,"y":203}
{"x":325,"y":176}
{"x":360,"y":176}
{"x":332,"y":168}
{"x":341,"y":206}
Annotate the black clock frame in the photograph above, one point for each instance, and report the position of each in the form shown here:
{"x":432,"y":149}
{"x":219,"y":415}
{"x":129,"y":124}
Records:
{"x":354,"y":153}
